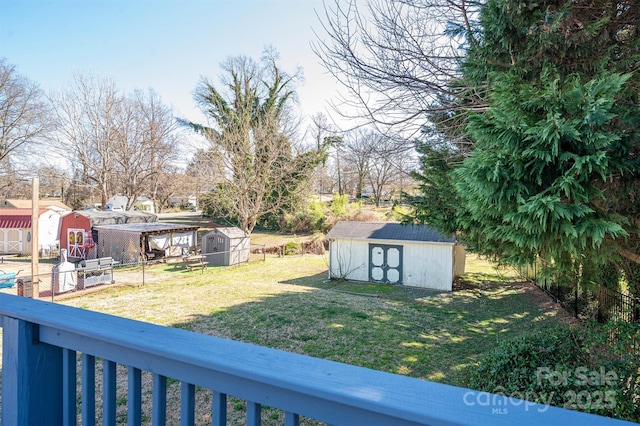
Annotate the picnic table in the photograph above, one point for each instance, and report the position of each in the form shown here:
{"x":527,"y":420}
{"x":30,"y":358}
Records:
{"x":194,"y":261}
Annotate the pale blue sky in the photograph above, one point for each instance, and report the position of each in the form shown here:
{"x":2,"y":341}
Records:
{"x":163,"y":44}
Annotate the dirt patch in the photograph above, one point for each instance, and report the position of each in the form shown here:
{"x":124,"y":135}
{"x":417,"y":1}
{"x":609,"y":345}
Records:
{"x":546,"y":303}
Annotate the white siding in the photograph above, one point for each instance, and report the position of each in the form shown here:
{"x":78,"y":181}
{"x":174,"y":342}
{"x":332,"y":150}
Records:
{"x":49,"y":229}
{"x":428,"y":265}
{"x":19,"y":240}
{"x":13,"y":241}
{"x":349,"y":259}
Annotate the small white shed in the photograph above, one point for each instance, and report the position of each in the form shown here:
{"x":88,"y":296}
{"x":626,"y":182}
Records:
{"x":226,"y":246}
{"x":15,"y":230}
{"x":412,"y":255}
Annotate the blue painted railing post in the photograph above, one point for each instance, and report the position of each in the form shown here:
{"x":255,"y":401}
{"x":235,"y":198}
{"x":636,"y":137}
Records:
{"x":31,"y":376}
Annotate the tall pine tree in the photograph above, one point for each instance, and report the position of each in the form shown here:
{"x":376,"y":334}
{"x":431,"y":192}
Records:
{"x":555,"y":165}
{"x":561,"y":127}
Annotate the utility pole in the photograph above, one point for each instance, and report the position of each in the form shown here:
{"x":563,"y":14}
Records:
{"x":35,"y":210}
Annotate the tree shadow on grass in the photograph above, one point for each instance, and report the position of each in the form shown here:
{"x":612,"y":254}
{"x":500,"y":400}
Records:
{"x":415,"y":332}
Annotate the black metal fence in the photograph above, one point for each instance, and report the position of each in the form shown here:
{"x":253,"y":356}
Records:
{"x":594,"y":301}
{"x":612,"y":304}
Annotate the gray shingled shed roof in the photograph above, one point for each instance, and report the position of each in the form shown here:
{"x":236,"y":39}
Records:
{"x":231,"y":232}
{"x":387,"y":231}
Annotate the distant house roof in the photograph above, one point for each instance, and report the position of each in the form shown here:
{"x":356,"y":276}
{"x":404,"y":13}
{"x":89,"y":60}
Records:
{"x":26,"y":204}
{"x":16,"y":218}
{"x":387,"y":231}
{"x":143,"y":199}
{"x":99,"y":218}
{"x":148,"y":228}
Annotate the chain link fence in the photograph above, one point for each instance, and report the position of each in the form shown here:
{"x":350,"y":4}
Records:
{"x":53,"y":282}
{"x":134,"y":259}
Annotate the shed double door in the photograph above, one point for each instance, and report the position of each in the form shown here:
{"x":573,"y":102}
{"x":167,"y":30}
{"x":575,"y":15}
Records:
{"x":11,"y":241}
{"x":216,"y":249}
{"x":385,"y":263}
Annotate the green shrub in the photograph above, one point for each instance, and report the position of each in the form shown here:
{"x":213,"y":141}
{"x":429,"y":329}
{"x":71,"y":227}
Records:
{"x":398,"y":213}
{"x":573,"y":367}
{"x":615,"y":346}
{"x":290,"y":248}
{"x":312,"y":219}
{"x":317,"y":212}
{"x":339,"y":205}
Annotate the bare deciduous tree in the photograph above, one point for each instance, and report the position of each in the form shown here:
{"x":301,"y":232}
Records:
{"x":375,"y":159}
{"x":52,"y":180}
{"x":23,"y":112}
{"x":23,"y":119}
{"x":146,"y":146}
{"x":169,"y":184}
{"x":88,"y":115}
{"x":397,"y":59}
{"x":116,"y":142}
{"x":206,"y":170}
{"x":391,"y":165}
{"x":324,"y":135}
{"x":359,"y":146}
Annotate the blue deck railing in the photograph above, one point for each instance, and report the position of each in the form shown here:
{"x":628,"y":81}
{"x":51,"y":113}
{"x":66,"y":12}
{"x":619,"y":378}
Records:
{"x":42,"y":341}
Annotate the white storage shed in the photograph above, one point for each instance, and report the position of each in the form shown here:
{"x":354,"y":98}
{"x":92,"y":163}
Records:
{"x":226,"y":246}
{"x":411,"y":255}
{"x":15,"y":231}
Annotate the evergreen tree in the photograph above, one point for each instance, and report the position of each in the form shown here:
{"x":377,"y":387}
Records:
{"x":561,"y":130}
{"x":531,"y":185}
{"x":250,"y":133}
{"x":436,"y":202}
{"x":555,"y":166}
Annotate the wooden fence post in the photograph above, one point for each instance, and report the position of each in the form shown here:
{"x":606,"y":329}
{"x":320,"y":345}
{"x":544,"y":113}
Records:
{"x":31,"y":376}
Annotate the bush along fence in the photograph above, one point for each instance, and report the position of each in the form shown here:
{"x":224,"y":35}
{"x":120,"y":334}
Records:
{"x":594,"y":301}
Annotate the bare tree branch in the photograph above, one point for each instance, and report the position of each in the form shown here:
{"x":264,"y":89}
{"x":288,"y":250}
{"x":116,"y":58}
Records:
{"x":23,"y":112}
{"x":397,"y":58}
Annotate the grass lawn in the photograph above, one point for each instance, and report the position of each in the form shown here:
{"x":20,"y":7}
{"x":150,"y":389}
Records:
{"x":287,"y":303}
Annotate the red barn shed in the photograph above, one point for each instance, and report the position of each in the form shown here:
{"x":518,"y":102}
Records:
{"x":77,"y":233}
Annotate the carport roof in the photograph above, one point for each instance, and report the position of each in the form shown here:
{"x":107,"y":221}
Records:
{"x":106,"y":218}
{"x":387,"y":231}
{"x":148,"y":228}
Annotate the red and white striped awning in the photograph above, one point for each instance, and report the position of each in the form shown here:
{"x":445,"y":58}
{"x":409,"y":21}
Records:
{"x":16,"y":218}
{"x":15,"y":222}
